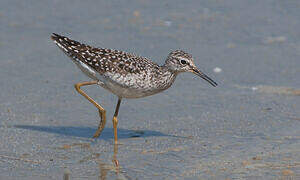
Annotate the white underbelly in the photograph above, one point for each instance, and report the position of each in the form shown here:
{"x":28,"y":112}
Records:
{"x":127,"y":92}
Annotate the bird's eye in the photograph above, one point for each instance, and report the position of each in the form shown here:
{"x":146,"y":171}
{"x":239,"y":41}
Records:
{"x":183,"y":61}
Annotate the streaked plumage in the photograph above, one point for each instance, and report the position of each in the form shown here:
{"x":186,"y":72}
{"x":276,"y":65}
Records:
{"x":124,"y":74}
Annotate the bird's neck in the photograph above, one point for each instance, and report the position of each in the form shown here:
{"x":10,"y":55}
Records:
{"x":167,"y":77}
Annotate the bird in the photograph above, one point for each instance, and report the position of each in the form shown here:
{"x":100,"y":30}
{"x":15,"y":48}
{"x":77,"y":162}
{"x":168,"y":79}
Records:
{"x":124,"y":74}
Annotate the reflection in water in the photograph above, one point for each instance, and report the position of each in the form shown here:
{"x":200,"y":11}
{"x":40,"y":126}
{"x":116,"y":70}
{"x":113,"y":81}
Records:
{"x":104,"y":168}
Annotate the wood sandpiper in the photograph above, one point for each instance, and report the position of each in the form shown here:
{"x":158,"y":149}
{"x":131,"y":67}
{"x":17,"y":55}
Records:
{"x":124,"y":74}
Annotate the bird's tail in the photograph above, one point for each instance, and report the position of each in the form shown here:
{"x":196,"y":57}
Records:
{"x":65,"y":44}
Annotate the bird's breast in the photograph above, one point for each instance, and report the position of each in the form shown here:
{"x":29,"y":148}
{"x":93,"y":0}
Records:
{"x":135,"y":85}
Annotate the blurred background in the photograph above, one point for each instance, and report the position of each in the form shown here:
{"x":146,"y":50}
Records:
{"x":246,"y":128}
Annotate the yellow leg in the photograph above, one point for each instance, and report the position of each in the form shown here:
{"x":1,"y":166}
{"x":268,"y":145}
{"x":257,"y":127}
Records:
{"x":115,"y":120}
{"x":102,"y":111}
{"x":115,"y":160}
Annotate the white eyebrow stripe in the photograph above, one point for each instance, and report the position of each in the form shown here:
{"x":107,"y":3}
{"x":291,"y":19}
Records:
{"x":182,"y":58}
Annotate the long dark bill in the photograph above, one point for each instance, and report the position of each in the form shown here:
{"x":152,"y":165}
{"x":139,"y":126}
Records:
{"x":202,"y":75}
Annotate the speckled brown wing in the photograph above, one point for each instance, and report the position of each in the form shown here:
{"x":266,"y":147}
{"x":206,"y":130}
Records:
{"x":100,"y":59}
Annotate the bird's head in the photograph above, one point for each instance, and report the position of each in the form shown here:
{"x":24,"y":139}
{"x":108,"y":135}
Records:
{"x":179,"y":61}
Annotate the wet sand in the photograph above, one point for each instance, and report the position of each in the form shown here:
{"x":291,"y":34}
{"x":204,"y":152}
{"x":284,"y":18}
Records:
{"x":246,"y":128}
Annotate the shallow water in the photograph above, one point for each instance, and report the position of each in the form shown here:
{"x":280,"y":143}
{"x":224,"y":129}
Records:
{"x":246,"y":128}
